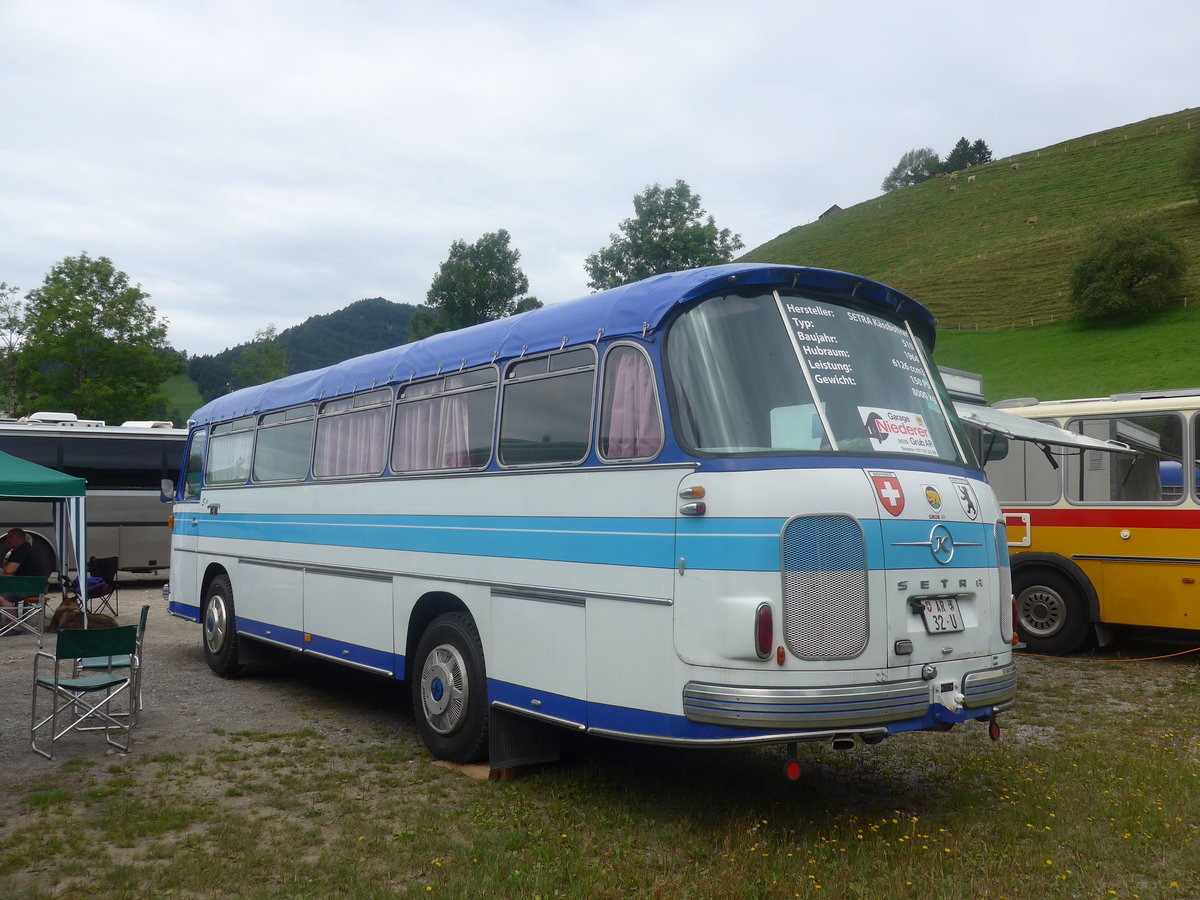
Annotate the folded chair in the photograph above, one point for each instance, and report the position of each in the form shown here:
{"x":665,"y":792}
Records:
{"x":109,"y":664}
{"x":102,"y":584}
{"x":85,"y":702}
{"x":28,"y":592}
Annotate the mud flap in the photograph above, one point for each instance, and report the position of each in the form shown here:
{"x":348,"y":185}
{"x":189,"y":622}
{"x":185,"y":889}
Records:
{"x":515,"y":740}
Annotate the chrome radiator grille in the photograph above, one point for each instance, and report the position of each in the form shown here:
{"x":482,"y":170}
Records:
{"x":1006,"y":607}
{"x":824,"y":587}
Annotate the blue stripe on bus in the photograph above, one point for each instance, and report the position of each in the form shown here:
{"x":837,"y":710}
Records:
{"x":718,"y":544}
{"x":554,"y":706}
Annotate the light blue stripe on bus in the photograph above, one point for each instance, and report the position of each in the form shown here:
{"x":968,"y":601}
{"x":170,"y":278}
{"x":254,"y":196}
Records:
{"x":720,"y":544}
{"x":909,"y":544}
{"x":630,"y":542}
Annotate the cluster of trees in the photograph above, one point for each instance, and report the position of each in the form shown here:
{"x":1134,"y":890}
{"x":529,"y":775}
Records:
{"x":923,"y":163}
{"x":86,"y":341}
{"x":670,"y":230}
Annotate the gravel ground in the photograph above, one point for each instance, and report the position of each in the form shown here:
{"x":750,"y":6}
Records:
{"x":187,"y":707}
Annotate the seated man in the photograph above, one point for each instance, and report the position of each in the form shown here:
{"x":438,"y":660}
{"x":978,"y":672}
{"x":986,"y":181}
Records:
{"x":21,"y":559}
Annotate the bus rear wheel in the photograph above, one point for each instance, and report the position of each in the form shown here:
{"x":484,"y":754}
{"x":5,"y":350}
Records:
{"x":220,"y":627}
{"x":449,"y":689}
{"x":1052,"y":615}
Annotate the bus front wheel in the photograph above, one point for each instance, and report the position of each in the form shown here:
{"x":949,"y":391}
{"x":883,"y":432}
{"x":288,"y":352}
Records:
{"x":449,"y":690}
{"x":220,"y":627}
{"x":1052,"y":614}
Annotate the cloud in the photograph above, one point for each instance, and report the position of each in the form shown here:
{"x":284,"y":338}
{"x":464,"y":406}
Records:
{"x":260,"y":163}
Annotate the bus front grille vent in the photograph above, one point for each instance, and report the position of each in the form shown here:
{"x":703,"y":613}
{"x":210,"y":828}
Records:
{"x":824,"y":587}
{"x":1006,"y":606}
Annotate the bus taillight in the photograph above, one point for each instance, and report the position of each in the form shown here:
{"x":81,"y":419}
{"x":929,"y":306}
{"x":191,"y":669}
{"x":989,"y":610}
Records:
{"x":764,"y":630}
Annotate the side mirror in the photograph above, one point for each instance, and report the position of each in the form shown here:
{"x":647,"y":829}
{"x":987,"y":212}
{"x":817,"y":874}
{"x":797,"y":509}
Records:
{"x":166,"y":491}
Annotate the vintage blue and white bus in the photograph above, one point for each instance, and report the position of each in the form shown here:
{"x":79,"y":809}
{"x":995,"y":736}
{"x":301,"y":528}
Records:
{"x":721,"y":506}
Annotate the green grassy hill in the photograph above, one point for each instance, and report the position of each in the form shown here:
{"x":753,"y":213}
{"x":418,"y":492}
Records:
{"x":969,"y":256}
{"x":1054,"y":362}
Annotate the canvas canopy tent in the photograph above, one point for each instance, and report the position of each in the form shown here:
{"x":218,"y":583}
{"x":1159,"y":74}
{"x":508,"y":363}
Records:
{"x":23,"y":480}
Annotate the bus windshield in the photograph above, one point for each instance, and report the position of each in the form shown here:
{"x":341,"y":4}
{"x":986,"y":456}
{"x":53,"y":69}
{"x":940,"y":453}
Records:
{"x":786,"y":374}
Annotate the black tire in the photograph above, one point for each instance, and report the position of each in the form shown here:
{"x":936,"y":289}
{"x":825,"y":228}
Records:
{"x":1052,"y":614}
{"x":220,"y":627}
{"x":449,"y":689}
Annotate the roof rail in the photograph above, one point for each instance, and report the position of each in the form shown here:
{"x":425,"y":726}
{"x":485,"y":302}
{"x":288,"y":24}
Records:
{"x":1157,"y":395}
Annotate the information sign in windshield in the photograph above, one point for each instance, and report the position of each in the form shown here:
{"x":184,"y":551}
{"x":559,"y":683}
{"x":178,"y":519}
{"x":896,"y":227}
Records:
{"x":870,"y":378}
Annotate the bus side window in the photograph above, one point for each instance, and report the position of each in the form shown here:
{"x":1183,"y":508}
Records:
{"x":1196,"y":456}
{"x":193,"y":474}
{"x":630,"y":421}
{"x":229,"y":455}
{"x":546,"y":409}
{"x":1111,"y":478}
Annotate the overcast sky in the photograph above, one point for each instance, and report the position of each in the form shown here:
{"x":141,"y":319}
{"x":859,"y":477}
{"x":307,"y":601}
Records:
{"x":255,"y":163}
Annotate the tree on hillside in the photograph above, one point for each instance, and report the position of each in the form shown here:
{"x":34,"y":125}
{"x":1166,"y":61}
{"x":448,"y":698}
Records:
{"x":914,"y":167}
{"x":12,"y":332}
{"x":966,"y":154}
{"x":670,"y":231}
{"x":477,"y":283}
{"x":1129,"y":265}
{"x":980,"y":153}
{"x":1191,"y":166}
{"x":959,"y":157}
{"x":263,"y":360}
{"x":93,"y":345}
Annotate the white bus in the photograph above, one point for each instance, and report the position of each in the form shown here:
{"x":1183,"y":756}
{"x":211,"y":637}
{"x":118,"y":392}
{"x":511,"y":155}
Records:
{"x":123,"y":465}
{"x":722,"y":506}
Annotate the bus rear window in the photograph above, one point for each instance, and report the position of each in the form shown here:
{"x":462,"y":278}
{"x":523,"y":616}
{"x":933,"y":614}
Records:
{"x":786,"y":374}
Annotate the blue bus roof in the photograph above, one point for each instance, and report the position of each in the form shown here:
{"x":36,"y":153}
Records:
{"x":629,"y":310}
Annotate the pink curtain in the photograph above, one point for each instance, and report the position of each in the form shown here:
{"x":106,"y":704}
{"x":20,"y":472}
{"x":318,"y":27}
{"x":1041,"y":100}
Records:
{"x":416,"y":441}
{"x":457,"y":452}
{"x":352,"y":444}
{"x":635,"y":428}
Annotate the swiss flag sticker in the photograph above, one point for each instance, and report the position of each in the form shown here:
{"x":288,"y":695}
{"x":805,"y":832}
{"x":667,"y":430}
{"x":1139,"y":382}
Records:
{"x":887,"y":488}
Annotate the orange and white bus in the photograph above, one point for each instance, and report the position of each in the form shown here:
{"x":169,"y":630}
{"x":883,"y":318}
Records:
{"x":1102,"y":541}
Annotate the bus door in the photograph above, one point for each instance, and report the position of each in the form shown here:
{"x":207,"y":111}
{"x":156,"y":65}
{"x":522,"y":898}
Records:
{"x":185,"y":531}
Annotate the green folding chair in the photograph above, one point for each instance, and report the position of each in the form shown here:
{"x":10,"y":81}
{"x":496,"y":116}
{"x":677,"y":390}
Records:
{"x":85,"y":702}
{"x":28,"y":592}
{"x":123,"y":661}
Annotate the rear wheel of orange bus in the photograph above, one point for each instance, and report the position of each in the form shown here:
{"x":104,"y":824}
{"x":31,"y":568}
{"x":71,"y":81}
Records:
{"x":450,"y":690}
{"x":1052,"y":614}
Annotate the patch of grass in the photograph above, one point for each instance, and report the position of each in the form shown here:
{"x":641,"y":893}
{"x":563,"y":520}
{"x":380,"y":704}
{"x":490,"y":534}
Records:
{"x":1092,"y":792}
{"x":1054,"y":362}
{"x":46,"y":798}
